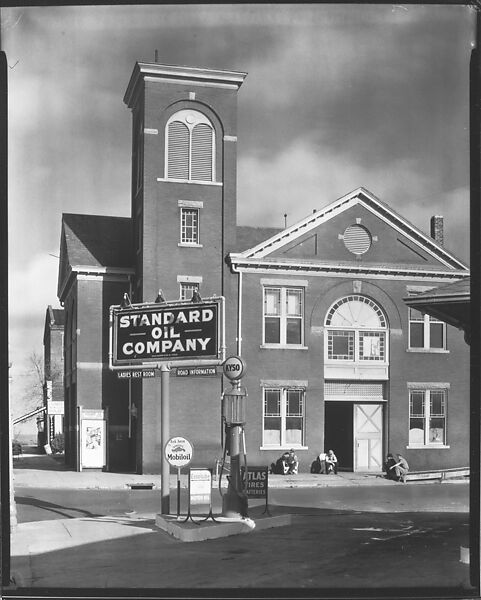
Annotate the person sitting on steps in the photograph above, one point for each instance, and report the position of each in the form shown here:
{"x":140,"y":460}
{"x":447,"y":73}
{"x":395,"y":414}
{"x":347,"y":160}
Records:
{"x":331,"y":463}
{"x":319,"y":465}
{"x":396,"y":469}
{"x":401,"y":468}
{"x":287,"y":464}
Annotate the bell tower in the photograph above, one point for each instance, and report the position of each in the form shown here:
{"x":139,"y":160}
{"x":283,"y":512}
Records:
{"x":183,"y":177}
{"x":184,"y":154}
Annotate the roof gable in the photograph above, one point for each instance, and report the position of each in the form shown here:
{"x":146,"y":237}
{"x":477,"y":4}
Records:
{"x":393,"y":240}
{"x":96,"y":240}
{"x":94,"y":243}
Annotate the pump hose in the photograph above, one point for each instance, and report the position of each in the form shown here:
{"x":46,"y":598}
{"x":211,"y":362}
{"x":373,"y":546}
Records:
{"x":245,"y":459}
{"x":222,"y":467}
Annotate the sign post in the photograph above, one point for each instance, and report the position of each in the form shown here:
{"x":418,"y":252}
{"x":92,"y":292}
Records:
{"x":164,"y":435}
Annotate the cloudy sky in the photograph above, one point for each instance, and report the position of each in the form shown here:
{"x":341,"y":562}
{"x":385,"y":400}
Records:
{"x":336,"y":97}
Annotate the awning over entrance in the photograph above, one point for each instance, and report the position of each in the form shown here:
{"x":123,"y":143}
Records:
{"x":449,"y":303}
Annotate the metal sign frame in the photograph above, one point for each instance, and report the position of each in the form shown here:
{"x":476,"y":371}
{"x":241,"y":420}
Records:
{"x":122,"y":364}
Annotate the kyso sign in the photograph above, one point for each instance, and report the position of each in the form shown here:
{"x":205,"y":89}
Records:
{"x":153,"y":333}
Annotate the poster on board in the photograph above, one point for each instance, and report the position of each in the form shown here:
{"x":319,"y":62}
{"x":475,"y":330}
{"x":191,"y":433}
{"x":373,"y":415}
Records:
{"x":92,"y":443}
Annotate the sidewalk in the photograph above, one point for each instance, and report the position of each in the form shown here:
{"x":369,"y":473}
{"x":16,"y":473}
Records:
{"x":48,"y":471}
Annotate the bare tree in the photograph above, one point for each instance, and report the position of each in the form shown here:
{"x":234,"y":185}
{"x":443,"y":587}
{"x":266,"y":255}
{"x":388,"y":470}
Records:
{"x":33,"y":383}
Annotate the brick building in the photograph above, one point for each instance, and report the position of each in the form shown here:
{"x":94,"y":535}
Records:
{"x":53,"y":369}
{"x":335,"y":359}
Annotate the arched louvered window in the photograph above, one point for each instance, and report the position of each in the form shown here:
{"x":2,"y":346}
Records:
{"x":356,"y":330}
{"x":178,"y":151}
{"x":190,"y":147}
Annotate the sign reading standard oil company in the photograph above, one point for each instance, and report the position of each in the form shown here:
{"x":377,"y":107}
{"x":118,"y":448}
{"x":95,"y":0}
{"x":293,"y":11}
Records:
{"x":172,"y":331}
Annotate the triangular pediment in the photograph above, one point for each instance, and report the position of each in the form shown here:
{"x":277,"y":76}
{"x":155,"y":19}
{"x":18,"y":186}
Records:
{"x":357,"y":228}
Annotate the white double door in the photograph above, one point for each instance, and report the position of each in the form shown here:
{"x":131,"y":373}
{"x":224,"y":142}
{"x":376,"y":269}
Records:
{"x":368,"y":420}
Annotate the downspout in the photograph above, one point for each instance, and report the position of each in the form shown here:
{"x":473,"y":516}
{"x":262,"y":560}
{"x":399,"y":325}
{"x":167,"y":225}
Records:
{"x":239,"y":314}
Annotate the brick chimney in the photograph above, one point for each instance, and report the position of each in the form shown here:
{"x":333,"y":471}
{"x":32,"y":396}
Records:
{"x":437,"y":229}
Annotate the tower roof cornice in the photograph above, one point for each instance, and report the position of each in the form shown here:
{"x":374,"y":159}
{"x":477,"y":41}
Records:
{"x":180,"y":74}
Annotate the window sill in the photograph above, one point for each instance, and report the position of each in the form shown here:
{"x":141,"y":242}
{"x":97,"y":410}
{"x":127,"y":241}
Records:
{"x":283,"y":347}
{"x":190,"y":181}
{"x":283,"y":448}
{"x":428,"y":350}
{"x":428,"y":447}
{"x":187,"y":245}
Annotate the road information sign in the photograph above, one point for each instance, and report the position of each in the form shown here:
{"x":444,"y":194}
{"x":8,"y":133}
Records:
{"x":196,"y":371}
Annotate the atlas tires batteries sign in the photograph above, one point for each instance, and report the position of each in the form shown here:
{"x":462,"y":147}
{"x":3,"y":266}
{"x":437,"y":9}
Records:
{"x":178,"y":333}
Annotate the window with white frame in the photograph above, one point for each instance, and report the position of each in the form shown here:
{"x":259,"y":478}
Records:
{"x":356,"y":331}
{"x":187,"y":289}
{"x":189,"y":226}
{"x":190,"y":147}
{"x":427,"y":417}
{"x":426,"y":332}
{"x":283,"y":316}
{"x":283,"y":416}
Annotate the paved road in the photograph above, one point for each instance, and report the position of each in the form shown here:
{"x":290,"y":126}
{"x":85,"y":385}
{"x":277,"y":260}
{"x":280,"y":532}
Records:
{"x":34,"y":504}
{"x":323,"y":549}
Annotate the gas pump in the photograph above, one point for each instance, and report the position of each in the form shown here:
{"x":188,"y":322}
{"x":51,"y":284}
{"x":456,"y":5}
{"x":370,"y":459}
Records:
{"x":234,"y":501}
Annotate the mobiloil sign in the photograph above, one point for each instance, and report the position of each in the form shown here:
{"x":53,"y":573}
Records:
{"x":150,"y":333}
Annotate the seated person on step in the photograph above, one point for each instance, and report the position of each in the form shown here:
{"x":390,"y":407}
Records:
{"x":388,"y":467}
{"x":396,"y":469}
{"x":331,"y":463}
{"x":319,"y":465}
{"x":292,"y":462}
{"x":281,"y":466}
{"x":287,"y":464}
{"x":400,"y":468}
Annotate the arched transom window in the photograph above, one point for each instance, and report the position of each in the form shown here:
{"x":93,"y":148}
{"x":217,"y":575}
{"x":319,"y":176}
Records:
{"x":356,"y":330}
{"x":190,"y":147}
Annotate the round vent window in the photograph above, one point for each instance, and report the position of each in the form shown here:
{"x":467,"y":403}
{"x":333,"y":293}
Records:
{"x":357,"y":239}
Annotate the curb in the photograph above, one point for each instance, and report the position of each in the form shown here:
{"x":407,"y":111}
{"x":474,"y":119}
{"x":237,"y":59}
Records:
{"x":186,"y":531}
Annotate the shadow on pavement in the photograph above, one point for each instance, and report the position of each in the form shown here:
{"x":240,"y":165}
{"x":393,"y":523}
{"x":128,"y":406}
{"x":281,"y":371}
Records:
{"x":65,"y":511}
{"x":41,"y":462}
{"x":415,"y":552}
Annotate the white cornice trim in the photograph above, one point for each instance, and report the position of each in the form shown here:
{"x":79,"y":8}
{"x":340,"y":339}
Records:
{"x":190,"y":181}
{"x":180,"y":74}
{"x":83,"y":271}
{"x":87,"y":269}
{"x":256,"y":265}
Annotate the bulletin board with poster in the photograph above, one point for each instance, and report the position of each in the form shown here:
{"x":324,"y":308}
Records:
{"x":93,"y":443}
